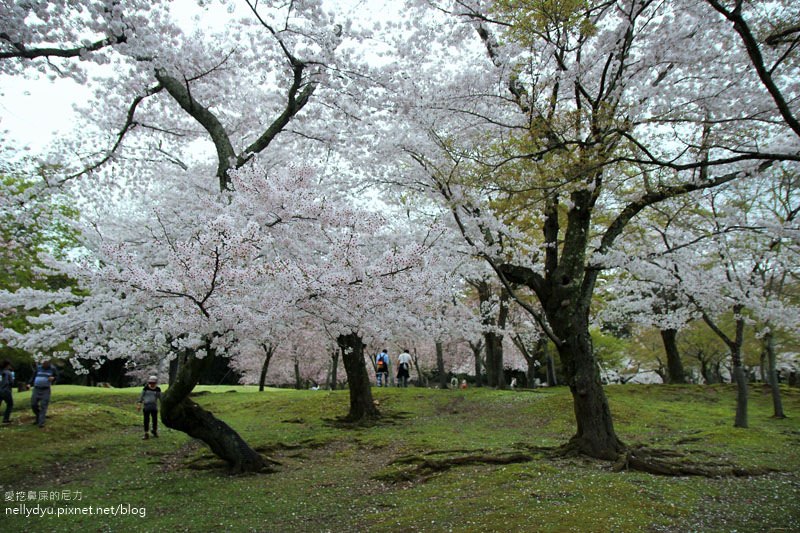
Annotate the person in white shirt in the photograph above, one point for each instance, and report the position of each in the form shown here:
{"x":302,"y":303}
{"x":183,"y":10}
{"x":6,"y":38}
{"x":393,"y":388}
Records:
{"x":403,"y":369}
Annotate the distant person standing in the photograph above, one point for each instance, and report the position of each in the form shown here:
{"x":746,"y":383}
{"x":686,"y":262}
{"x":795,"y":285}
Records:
{"x":403,"y":368}
{"x":382,"y":368}
{"x":6,"y":384}
{"x":42,"y":380}
{"x":148,"y":403}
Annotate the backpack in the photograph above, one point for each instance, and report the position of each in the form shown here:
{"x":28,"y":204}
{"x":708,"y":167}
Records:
{"x":381,"y":363}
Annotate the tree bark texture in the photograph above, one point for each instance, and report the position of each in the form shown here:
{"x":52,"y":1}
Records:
{"x":362,"y":405}
{"x":476,"y":354}
{"x":772,"y":374}
{"x":440,"y":365}
{"x":493,"y":340}
{"x":551,"y":369}
{"x":298,"y":382}
{"x":595,"y":435}
{"x":179,"y":412}
{"x":262,"y":378}
{"x":739,"y":376}
{"x":565,"y":293}
{"x":675,"y":372}
{"x":334,"y":370}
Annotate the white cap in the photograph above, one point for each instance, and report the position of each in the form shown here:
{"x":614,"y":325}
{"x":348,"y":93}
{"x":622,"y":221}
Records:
{"x":152,"y":379}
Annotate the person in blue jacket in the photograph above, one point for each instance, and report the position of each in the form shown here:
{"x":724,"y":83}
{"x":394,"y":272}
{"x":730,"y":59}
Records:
{"x":42,"y":380}
{"x":382,"y":368}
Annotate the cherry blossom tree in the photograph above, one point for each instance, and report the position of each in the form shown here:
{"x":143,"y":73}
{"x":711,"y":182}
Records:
{"x":721,"y":258}
{"x":597,"y":112}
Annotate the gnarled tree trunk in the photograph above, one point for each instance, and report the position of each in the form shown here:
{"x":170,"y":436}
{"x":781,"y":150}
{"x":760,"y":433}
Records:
{"x":362,"y":405}
{"x":179,"y":412}
{"x":595,"y":435}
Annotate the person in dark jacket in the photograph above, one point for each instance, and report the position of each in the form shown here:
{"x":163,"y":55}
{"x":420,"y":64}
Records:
{"x":148,"y":404}
{"x":44,"y":377}
{"x":6,"y":384}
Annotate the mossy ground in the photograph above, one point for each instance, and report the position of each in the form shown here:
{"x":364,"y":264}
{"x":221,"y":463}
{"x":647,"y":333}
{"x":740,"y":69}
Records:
{"x":338,"y":478}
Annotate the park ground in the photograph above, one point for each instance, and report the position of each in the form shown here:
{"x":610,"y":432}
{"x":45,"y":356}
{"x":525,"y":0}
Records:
{"x":473,"y":460}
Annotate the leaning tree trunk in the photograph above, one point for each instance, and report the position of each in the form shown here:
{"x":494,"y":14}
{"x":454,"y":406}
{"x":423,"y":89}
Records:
{"x":362,"y":406}
{"x":675,"y":372}
{"x":262,"y":378}
{"x":738,"y":374}
{"x":777,"y":403}
{"x":179,"y":412}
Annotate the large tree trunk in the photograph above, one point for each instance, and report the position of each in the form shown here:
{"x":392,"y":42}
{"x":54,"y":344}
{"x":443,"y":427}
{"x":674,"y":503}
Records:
{"x":595,"y":435}
{"x":440,"y":365}
{"x":675,"y":372}
{"x":262,"y":379}
{"x":772,"y":374}
{"x":179,"y":412}
{"x":564,"y":291}
{"x":362,"y":406}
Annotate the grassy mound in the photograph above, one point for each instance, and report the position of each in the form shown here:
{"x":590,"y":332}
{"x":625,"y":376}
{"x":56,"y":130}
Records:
{"x":473,"y":460}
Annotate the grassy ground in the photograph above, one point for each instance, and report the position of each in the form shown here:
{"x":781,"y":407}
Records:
{"x":382,"y":478}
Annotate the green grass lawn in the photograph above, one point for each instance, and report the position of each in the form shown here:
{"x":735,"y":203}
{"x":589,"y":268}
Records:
{"x":331,"y":478}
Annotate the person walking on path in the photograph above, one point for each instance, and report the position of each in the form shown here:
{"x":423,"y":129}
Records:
{"x":148,"y":404}
{"x":403,"y":368}
{"x":43,"y":379}
{"x":6,"y":384}
{"x":382,"y":368}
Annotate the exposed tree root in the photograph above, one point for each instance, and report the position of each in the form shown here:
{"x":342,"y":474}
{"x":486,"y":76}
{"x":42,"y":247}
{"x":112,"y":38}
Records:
{"x":346,"y":422}
{"x":386,"y":419}
{"x":674,"y":463}
{"x":422,"y":468}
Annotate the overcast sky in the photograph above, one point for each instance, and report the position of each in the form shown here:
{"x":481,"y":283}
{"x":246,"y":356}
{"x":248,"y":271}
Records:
{"x":33,"y":112}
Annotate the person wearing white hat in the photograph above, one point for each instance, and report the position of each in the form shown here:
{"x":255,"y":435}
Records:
{"x":148,"y":403}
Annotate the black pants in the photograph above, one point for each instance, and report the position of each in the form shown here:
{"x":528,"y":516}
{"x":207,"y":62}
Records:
{"x":5,"y":396}
{"x":148,"y":414}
